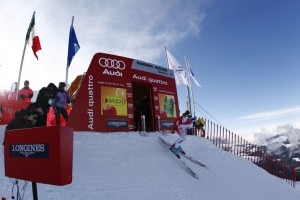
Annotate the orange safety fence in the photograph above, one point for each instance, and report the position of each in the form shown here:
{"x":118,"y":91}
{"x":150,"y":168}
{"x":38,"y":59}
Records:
{"x":8,"y":108}
{"x":51,"y":121}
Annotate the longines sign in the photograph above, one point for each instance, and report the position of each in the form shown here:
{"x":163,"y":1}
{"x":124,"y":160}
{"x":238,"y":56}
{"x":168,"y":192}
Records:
{"x":40,"y":150}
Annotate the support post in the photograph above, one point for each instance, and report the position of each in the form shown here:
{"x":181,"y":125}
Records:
{"x":143,"y":122}
{"x":158,"y":123}
{"x":34,"y":191}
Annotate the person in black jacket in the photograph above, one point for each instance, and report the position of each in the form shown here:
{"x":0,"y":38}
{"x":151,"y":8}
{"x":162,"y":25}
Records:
{"x":46,"y":98}
{"x":22,"y":119}
{"x":36,"y":108}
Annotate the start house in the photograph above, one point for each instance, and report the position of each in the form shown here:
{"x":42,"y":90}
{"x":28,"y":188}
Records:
{"x":116,"y":90}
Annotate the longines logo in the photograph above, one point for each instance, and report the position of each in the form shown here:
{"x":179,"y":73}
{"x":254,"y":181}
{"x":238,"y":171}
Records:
{"x":112,"y":66}
{"x":167,"y":124}
{"x":117,"y":124}
{"x":40,"y":150}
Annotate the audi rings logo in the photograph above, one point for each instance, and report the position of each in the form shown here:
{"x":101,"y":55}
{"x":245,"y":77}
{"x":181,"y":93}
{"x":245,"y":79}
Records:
{"x":112,"y":63}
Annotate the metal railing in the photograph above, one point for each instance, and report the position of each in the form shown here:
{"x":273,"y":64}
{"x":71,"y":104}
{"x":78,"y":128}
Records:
{"x":231,"y":142}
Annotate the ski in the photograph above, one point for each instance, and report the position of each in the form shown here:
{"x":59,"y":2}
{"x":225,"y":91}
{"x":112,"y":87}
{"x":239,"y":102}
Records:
{"x":194,"y":160}
{"x":190,"y":158}
{"x":165,"y":132}
{"x":187,"y":168}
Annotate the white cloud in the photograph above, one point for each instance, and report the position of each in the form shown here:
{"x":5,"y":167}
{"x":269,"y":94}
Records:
{"x":137,"y":29}
{"x":271,"y":114}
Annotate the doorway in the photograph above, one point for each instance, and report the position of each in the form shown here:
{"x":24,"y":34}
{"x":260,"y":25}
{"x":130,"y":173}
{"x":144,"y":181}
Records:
{"x":143,"y":105}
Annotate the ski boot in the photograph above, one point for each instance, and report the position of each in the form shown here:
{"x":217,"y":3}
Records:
{"x":180,"y":150}
{"x":175,"y":151}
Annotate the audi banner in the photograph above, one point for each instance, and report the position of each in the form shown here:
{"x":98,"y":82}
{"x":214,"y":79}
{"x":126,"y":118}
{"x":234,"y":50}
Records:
{"x":116,"y":91}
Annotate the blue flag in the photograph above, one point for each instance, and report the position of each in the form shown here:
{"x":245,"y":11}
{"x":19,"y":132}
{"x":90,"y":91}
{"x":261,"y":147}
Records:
{"x":73,"y":45}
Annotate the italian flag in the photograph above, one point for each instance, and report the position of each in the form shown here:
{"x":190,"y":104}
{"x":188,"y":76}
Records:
{"x":31,"y":37}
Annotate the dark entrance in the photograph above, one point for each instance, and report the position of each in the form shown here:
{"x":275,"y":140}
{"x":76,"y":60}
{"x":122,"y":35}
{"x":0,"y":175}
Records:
{"x":143,"y":105}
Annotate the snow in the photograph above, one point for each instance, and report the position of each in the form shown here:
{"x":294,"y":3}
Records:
{"x":119,"y":166}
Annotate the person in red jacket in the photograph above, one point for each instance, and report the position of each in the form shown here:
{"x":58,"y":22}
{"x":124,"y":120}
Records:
{"x":182,"y":124}
{"x":26,"y":92}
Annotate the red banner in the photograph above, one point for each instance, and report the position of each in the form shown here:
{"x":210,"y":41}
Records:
{"x":113,"y":88}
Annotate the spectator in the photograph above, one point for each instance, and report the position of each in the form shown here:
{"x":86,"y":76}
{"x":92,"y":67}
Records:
{"x":182,"y":124}
{"x":46,"y":98}
{"x":22,"y":119}
{"x":26,"y":93}
{"x":62,"y":99}
{"x":199,"y":124}
{"x":35,"y":108}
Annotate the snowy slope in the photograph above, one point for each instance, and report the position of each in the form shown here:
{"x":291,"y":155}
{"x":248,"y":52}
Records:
{"x":119,"y":166}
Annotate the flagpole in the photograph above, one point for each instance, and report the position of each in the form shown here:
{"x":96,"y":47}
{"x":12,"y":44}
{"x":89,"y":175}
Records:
{"x":20,"y":70}
{"x":189,"y":86}
{"x":22,"y":60}
{"x":67,"y":68}
{"x":189,"y":74}
{"x":67,"y":72}
{"x":193,"y":97}
{"x":167,"y":57}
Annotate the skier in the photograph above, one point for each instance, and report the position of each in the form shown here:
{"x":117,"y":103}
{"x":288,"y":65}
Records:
{"x":182,"y":124}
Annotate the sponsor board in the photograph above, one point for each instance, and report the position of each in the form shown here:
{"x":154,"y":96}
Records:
{"x":40,"y":150}
{"x":106,"y":98}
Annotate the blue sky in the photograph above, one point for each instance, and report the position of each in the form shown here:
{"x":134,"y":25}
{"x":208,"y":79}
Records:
{"x":245,"y":53}
{"x":247,"y":59}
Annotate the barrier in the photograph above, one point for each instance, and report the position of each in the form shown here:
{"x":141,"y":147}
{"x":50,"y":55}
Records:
{"x":43,"y":154}
{"x":231,"y":142}
{"x":9,"y":107}
{"x":51,"y":120}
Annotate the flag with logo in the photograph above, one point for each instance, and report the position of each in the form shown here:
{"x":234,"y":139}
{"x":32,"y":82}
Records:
{"x":178,"y":69}
{"x":73,"y":45}
{"x":32,"y":38}
{"x":192,"y":74}
{"x":193,"y":77}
